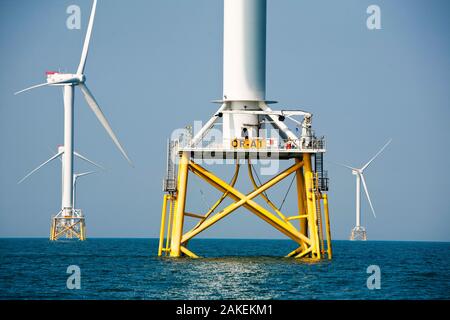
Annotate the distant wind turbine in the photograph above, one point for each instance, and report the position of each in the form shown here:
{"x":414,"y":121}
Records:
{"x":359,"y":232}
{"x":69,"y":82}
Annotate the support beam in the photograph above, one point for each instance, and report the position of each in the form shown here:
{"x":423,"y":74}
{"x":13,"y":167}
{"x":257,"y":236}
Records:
{"x":264,"y":196}
{"x":295,"y":252}
{"x":172,"y":205}
{"x":245,"y":200}
{"x":327,"y":226}
{"x":189,"y":253}
{"x":301,"y":195}
{"x":163,"y":225}
{"x":203,"y":131}
{"x":194,"y":215}
{"x":52,"y":230}
{"x":224,"y":195}
{"x":303,"y":253}
{"x":180,"y":207}
{"x":303,"y":216}
{"x":82,"y":230}
{"x":284,"y":131}
{"x":310,"y":203}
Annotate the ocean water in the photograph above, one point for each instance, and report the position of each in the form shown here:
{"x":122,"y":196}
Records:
{"x":232,"y":269}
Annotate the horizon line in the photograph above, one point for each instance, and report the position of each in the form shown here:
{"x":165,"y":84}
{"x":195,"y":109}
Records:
{"x":258,"y":239}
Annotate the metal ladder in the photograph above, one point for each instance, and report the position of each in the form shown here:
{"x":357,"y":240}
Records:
{"x":169,"y":183}
{"x":318,"y":198}
{"x":322,"y":174}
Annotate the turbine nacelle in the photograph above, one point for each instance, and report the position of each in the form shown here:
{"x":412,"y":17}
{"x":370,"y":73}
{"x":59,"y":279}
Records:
{"x":61,"y":79}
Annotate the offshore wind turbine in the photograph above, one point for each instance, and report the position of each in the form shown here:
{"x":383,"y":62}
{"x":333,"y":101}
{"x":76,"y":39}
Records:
{"x":359,"y":232}
{"x":69,"y":82}
{"x":248,"y":129}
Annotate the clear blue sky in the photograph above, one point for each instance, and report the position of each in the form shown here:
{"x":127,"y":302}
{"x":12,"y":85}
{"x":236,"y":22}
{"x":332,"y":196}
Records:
{"x":155,"y":65}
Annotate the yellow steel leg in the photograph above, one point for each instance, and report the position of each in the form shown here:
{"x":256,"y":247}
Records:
{"x":52,"y":230}
{"x":181,"y":202}
{"x":310,"y":202}
{"x":327,"y":226}
{"x":301,"y":199}
{"x":82,"y":230}
{"x":163,"y":225}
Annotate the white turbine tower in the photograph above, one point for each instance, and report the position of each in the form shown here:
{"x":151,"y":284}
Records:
{"x":69,"y":82}
{"x":359,"y":232}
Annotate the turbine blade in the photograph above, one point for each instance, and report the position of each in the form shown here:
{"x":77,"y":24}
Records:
{"x":343,"y":165}
{"x":87,"y":40}
{"x":40,"y":166}
{"x":31,"y":88}
{"x":79,"y":175}
{"x":87,"y":160}
{"x":379,"y":152}
{"x":38,"y":86}
{"x":101,"y":117}
{"x":367,"y":194}
{"x":85,"y":174}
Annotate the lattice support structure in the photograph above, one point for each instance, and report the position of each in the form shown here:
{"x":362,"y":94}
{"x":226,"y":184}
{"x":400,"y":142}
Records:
{"x":307,"y":232}
{"x":68,"y":225}
{"x":358,"y":233}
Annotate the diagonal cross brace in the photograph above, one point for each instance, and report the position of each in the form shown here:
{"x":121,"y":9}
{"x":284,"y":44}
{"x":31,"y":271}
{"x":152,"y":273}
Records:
{"x":247,"y":202}
{"x":69,"y":228}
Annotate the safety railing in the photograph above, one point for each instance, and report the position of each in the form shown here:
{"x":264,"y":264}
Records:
{"x":262,"y":144}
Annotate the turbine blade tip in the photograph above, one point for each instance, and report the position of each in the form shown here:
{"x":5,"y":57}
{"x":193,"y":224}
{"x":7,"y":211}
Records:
{"x":131,"y":163}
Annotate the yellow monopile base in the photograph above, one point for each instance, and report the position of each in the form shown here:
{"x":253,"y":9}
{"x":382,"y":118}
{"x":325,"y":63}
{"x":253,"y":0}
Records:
{"x":308,"y":233}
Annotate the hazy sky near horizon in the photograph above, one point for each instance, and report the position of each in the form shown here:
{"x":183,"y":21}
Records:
{"x":155,"y":65}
